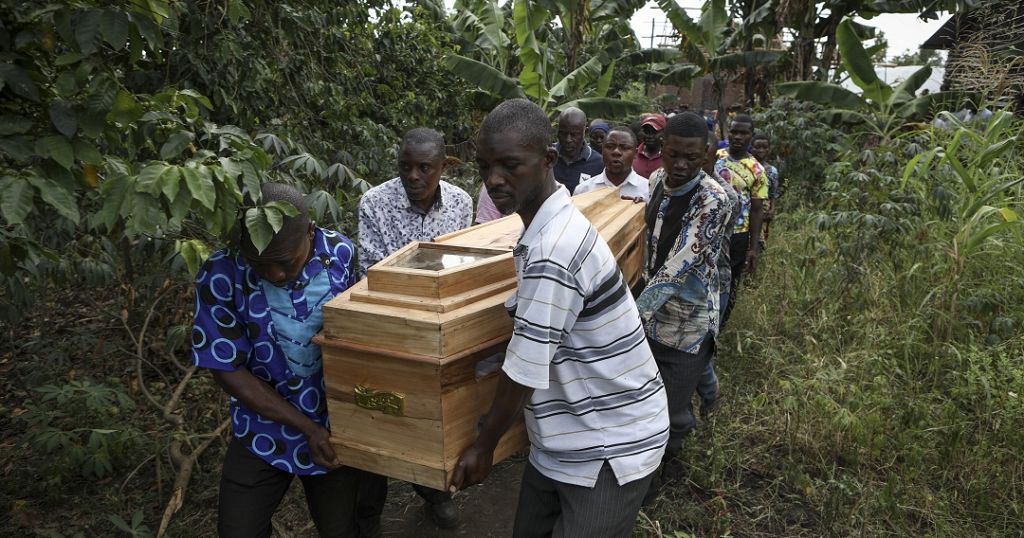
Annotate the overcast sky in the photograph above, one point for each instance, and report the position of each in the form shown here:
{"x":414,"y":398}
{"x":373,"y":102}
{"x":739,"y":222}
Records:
{"x":902,"y":31}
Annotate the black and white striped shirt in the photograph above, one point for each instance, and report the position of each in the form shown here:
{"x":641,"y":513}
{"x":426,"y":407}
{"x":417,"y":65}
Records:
{"x":578,"y":340}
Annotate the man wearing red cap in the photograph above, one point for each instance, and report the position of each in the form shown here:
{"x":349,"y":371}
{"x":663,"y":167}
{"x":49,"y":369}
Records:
{"x":648,"y":155}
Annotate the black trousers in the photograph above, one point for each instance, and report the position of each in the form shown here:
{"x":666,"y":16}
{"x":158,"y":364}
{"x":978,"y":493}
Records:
{"x":251,"y":490}
{"x":738,"y":247}
{"x":373,"y":494}
{"x":551,"y":508}
{"x":681,"y":372}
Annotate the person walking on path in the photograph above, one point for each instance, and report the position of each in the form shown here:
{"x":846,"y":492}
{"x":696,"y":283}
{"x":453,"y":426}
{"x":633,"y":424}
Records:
{"x":578,"y":365}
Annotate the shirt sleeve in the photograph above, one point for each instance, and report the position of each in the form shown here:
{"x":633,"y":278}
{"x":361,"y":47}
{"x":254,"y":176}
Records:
{"x":760,"y":190}
{"x":549,"y":300}
{"x":371,"y":243}
{"x":485,"y":208}
{"x":219,"y":338}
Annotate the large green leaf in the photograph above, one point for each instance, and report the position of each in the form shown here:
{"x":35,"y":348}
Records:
{"x":681,"y":75}
{"x":745,"y":60}
{"x":614,"y":9}
{"x":690,"y":31}
{"x":57,"y":197}
{"x":906,"y":90}
{"x":64,"y":118}
{"x":920,"y":106}
{"x":16,"y":200}
{"x":492,"y":23}
{"x":713,"y":21}
{"x":527,"y":18}
{"x":582,"y":76}
{"x":260,"y":230}
{"x":175,"y":144}
{"x":605,"y":81}
{"x":200,"y":184}
{"x":488,"y":78}
{"x":858,"y":64}
{"x":57,"y":148}
{"x":19,"y":81}
{"x":604,"y":107}
{"x":822,"y":93}
{"x":650,"y":56}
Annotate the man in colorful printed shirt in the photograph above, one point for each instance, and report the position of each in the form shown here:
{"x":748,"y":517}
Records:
{"x":737,"y":166}
{"x":686,"y":219}
{"x":578,"y":362}
{"x":255,"y":318}
{"x":415,"y":206}
{"x":761,"y":149}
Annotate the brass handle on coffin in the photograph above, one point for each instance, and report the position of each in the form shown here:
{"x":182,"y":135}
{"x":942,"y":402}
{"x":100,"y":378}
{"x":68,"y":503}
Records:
{"x":387,"y":402}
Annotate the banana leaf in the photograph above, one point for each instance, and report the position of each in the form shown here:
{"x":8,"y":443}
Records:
{"x":488,"y":78}
{"x":952,"y":100}
{"x":822,"y":93}
{"x":858,"y":64}
{"x":692,"y":33}
{"x":582,"y":76}
{"x":746,"y":59}
{"x":906,"y":90}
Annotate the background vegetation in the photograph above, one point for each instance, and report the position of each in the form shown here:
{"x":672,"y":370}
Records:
{"x":872,"y":371}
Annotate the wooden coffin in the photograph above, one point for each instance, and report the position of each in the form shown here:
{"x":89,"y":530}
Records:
{"x":403,"y":347}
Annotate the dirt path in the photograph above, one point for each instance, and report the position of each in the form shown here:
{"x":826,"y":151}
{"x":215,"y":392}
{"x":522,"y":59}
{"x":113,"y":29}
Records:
{"x":486,"y":510}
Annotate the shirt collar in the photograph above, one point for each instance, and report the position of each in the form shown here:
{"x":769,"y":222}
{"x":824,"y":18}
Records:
{"x":551,"y":207}
{"x":406,"y":203}
{"x":633,"y":179}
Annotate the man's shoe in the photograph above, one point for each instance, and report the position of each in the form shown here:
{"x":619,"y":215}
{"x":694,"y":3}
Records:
{"x":445,"y":514}
{"x":709,"y":407}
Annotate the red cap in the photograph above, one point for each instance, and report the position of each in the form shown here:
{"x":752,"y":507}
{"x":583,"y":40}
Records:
{"x":657,"y":121}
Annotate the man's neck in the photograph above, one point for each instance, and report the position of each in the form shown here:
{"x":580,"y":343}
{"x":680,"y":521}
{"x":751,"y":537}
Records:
{"x":427,"y":203}
{"x":738,"y":155}
{"x":616,"y":178}
{"x":529,"y":211}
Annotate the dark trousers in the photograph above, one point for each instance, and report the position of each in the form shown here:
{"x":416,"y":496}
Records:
{"x":251,"y":489}
{"x":738,"y":247}
{"x":551,"y":508}
{"x":373,"y":494}
{"x":681,"y":372}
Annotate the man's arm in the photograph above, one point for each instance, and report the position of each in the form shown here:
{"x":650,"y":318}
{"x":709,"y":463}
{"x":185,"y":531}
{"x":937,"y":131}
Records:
{"x":475,"y":463}
{"x":261,"y":398}
{"x":371,"y":242}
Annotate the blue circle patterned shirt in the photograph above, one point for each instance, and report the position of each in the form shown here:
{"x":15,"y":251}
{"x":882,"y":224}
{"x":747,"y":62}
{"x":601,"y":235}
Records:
{"x":242,"y":321}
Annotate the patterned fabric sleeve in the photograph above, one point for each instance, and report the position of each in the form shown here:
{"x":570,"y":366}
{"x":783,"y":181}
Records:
{"x":371,"y":241}
{"x":760,"y":190}
{"x":549,"y":301}
{"x":220,"y":340}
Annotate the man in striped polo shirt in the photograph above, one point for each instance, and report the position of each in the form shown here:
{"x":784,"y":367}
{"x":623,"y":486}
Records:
{"x":578,"y":361}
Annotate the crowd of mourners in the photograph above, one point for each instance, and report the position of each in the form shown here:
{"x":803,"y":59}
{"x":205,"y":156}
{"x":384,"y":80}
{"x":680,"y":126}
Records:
{"x":604,"y":375}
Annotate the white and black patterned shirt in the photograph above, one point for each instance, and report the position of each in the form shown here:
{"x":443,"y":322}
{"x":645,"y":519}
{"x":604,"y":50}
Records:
{"x":579,"y":342}
{"x":388,"y":220}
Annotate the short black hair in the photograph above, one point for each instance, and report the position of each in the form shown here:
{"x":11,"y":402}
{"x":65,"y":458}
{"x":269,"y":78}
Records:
{"x":760,"y":136}
{"x":743,"y":118}
{"x":687,"y":125}
{"x":522,"y":117}
{"x":292,"y":228}
{"x":424,"y":136}
{"x":624,"y":129}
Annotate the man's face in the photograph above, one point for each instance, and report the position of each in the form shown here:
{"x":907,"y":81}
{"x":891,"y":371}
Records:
{"x":597,"y":138}
{"x":514,"y":174}
{"x":618,"y":152}
{"x":739,"y":136}
{"x":570,"y":135}
{"x":281,"y":266}
{"x":420,"y":167}
{"x":650,"y":136}
{"x":760,"y":150}
{"x":682,"y":159}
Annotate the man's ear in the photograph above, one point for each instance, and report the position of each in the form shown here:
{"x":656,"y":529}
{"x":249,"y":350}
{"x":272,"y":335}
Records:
{"x":550,"y":157}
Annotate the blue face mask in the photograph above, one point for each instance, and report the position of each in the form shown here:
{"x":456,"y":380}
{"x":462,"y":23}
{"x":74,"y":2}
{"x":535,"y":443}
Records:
{"x":297,"y":317}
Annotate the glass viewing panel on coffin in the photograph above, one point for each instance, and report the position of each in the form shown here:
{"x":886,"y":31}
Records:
{"x":437,"y":259}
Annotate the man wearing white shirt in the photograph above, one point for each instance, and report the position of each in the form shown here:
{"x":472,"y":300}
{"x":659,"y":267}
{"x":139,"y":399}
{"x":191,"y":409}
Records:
{"x":618,"y":151}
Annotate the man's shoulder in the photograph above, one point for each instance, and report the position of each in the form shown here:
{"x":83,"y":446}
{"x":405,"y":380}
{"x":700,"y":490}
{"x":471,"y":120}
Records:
{"x":380,"y":193}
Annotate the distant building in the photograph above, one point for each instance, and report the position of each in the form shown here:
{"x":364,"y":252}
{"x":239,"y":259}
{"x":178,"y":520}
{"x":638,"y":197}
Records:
{"x":982,"y":56}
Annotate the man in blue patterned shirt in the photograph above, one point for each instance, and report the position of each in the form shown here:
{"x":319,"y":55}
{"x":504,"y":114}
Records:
{"x":255,"y":316}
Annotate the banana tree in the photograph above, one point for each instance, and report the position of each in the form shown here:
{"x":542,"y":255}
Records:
{"x":537,"y":70}
{"x":708,"y":43}
{"x":884,"y":109}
